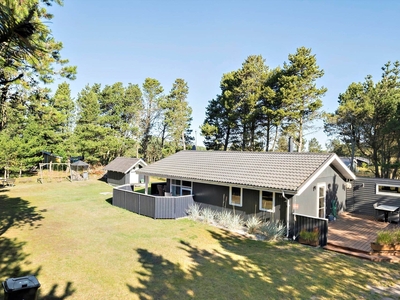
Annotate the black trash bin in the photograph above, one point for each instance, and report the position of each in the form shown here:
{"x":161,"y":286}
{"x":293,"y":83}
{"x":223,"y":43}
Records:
{"x":21,"y":288}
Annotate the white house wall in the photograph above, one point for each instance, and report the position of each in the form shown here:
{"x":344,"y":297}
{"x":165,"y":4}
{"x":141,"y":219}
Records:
{"x":132,"y":177}
{"x":306,"y":203}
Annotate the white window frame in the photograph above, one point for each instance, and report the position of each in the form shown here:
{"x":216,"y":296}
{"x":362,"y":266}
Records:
{"x":241,"y":196}
{"x":318,"y":207}
{"x":181,"y":186}
{"x":186,"y":188}
{"x":378,"y":192}
{"x":273,"y":201}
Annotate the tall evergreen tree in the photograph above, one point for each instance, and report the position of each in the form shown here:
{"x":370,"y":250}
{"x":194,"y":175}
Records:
{"x":119,"y":112}
{"x":28,"y":52}
{"x":213,"y":128}
{"x":314,"y":146}
{"x":89,"y":136}
{"x":300,"y":95}
{"x":368,"y":119}
{"x":152,"y":96}
{"x":221,"y":124}
{"x":177,"y":114}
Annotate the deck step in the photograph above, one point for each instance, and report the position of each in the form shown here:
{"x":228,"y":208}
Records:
{"x":360,"y":254}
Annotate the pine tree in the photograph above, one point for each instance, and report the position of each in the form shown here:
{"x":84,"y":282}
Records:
{"x":152,"y":96}
{"x":177,"y":114}
{"x":299,"y":93}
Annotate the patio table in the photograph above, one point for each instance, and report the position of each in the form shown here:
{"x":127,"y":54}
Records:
{"x":386,"y":210}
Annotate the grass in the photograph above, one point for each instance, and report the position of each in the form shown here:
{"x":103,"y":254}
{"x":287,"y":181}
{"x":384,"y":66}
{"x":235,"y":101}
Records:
{"x":81,"y":247}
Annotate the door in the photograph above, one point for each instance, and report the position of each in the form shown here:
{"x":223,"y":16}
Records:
{"x":321,"y":201}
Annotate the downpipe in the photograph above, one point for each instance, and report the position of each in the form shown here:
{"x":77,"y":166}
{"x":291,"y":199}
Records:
{"x":287,"y":214}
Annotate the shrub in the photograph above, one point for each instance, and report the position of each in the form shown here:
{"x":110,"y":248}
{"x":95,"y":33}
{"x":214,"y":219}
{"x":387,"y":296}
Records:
{"x":396,"y":236}
{"x":252,"y":224}
{"x":223,"y":218}
{"x":386,"y":237}
{"x":194,"y":211}
{"x":273,"y":230}
{"x":309,"y":236}
{"x":236,"y":222}
{"x":208,"y":215}
{"x":230,"y":221}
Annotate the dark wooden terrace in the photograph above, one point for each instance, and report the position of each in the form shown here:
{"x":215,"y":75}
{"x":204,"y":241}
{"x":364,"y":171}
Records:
{"x":352,"y":234}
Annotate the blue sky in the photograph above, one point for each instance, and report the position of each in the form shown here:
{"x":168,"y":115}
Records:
{"x":128,"y":40}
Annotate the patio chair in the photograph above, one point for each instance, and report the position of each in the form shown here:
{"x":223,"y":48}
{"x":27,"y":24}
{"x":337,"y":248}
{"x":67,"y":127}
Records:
{"x":160,"y":189}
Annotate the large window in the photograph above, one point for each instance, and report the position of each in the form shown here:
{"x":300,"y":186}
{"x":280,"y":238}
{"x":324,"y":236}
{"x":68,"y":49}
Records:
{"x":186,"y":187}
{"x":384,"y":189}
{"x":267,"y":201}
{"x":181,"y":187}
{"x":235,"y":197}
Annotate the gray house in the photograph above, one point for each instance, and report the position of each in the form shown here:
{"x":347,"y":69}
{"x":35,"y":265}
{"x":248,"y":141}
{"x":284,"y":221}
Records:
{"x":275,"y":186}
{"x":122,"y":170}
{"x":367,"y":191}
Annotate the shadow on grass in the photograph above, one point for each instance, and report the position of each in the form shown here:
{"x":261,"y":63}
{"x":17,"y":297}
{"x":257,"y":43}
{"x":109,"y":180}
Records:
{"x":109,"y":200}
{"x":246,"y":269}
{"x":68,"y":291}
{"x":14,"y":263}
{"x":211,"y":275}
{"x":16,"y":212}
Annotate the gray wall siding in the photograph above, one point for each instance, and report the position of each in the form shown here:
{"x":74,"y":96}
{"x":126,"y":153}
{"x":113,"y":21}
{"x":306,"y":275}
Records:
{"x":118,"y":178}
{"x":335,"y":191}
{"x":216,"y":197}
{"x":115,"y":178}
{"x":362,"y":195}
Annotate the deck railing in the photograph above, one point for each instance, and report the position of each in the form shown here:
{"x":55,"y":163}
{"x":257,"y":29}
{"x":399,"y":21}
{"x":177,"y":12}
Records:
{"x":308,"y":223}
{"x":157,"y":207}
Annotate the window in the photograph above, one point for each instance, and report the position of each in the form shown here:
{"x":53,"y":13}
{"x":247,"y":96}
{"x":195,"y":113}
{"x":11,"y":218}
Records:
{"x":267,"y":200}
{"x":235,"y":196}
{"x":384,"y":189}
{"x":180,"y":188}
{"x":321,"y":201}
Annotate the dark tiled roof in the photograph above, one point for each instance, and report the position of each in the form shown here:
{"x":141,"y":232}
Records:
{"x":123,"y":164}
{"x":274,"y":170}
{"x":80,"y":163}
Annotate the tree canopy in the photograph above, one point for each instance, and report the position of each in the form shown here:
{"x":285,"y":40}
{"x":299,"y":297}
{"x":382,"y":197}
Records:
{"x":258,"y":104}
{"x":368,"y":118}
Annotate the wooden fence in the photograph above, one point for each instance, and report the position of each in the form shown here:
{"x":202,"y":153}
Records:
{"x":310,"y":223}
{"x":157,"y":207}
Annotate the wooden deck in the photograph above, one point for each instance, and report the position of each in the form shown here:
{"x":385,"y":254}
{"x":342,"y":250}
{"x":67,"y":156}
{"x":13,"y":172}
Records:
{"x":353,"y":234}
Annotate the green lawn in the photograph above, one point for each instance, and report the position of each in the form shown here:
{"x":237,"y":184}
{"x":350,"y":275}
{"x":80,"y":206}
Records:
{"x":81,"y":247}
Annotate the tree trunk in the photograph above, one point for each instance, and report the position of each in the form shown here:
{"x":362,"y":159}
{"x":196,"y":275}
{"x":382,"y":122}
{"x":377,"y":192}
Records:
{"x":375,"y":162}
{"x":183,"y":140}
{"x":244,"y":138}
{"x":268,"y":136}
{"x":275,"y":138}
{"x":300,"y":146}
{"x":227,"y":136}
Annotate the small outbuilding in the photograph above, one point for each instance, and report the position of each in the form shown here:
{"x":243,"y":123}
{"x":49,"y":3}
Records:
{"x":79,"y":171}
{"x":122,"y":170}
